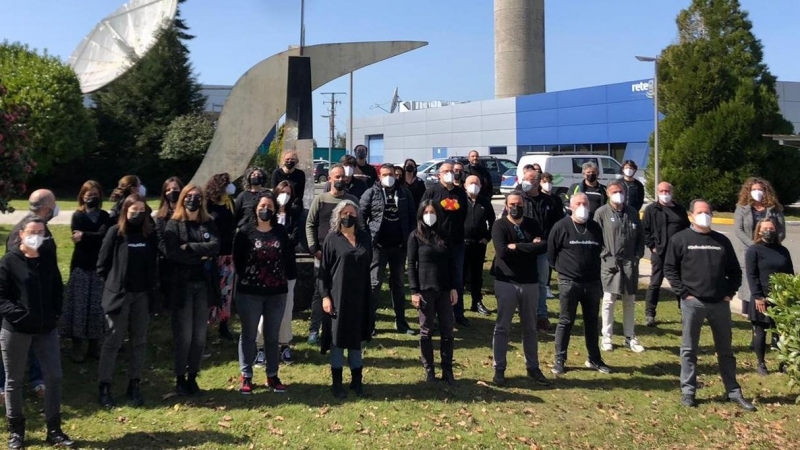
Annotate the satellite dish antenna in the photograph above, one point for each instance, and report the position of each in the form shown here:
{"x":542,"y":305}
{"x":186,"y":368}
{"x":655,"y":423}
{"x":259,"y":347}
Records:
{"x":119,"y":40}
{"x":395,"y":101}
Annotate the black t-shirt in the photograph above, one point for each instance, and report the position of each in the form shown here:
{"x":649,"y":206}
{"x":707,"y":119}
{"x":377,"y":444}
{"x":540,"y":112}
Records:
{"x":136,"y":272}
{"x":390,"y":234}
{"x":596,"y":197}
{"x":676,"y":220}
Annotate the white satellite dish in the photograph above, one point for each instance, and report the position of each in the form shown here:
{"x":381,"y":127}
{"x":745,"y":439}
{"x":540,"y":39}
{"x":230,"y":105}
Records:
{"x":119,"y":40}
{"x":395,"y":101}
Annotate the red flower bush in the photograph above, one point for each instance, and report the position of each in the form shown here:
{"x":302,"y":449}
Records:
{"x":16,"y":165}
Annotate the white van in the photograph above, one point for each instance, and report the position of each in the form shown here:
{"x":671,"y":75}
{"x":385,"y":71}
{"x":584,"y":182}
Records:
{"x":567,"y":168}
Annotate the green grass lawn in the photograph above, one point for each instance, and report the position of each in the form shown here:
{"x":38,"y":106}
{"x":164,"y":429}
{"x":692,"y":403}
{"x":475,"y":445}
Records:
{"x":71,"y":204}
{"x":635,"y":407}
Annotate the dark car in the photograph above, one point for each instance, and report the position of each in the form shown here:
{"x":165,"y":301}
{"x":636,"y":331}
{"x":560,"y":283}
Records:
{"x":496,"y":166}
{"x":321,"y":171}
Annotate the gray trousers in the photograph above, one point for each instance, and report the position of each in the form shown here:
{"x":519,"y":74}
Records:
{"x":132,"y":319}
{"x":189,"y":327}
{"x":47,"y":349}
{"x":510,"y":297}
{"x":251,"y":308}
{"x":693,"y":314}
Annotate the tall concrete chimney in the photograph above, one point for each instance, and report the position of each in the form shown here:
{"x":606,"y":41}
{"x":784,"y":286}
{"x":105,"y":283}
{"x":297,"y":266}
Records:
{"x":518,"y":47}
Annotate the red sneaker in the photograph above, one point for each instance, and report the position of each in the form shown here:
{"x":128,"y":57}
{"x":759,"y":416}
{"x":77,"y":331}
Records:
{"x":275,"y":384}
{"x":247,"y":386}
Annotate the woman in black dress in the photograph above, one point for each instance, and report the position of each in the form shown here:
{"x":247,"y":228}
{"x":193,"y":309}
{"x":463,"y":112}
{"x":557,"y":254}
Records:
{"x":762,"y":259}
{"x":344,"y":284}
{"x":414,"y":184}
{"x":220,"y":207}
{"x":431,"y":277}
{"x":170,"y":191}
{"x":83,"y":315}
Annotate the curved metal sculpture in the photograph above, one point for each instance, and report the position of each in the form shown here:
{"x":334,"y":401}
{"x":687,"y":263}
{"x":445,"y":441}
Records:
{"x":258,"y":99}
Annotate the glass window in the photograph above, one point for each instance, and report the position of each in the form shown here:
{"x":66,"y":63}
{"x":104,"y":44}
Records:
{"x":491,"y":164}
{"x":577,"y":164}
{"x":611,"y":167}
{"x":538,"y":148}
{"x":552,"y":148}
{"x":507,"y":164}
{"x":583,"y":148}
{"x":600,"y":149}
{"x":498,"y":150}
{"x":618,"y":151}
{"x":566,"y":148}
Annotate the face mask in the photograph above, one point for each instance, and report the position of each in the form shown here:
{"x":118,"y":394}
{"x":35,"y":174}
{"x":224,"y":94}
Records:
{"x":591,"y":178}
{"x":265,"y":215}
{"x":516,"y":212}
{"x":339,"y":185}
{"x":93,"y":203}
{"x":457,"y":176}
{"x":230,"y":189}
{"x":33,"y":241}
{"x":628,"y":172}
{"x":448,"y":178}
{"x":581,"y":213}
{"x":618,"y":198}
{"x":757,"y":195}
{"x":54,"y":213}
{"x":361,"y":154}
{"x":702,"y":220}
{"x":142,"y":190}
{"x":527,"y":186}
{"x":283,"y":198}
{"x":348,"y":221}
{"x":349,"y":171}
{"x":172,"y":196}
{"x":473,"y":189}
{"x":429,"y":219}
{"x":665,"y":198}
{"x":257,"y":180}
{"x":387,"y":181}
{"x":290,"y":164}
{"x":411,"y":169}
{"x":192,"y":205}
{"x":769,"y":236}
{"x":546,"y":186}
{"x":136,"y":219}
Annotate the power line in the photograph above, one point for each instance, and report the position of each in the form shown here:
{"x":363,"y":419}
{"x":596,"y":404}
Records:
{"x":332,"y":118}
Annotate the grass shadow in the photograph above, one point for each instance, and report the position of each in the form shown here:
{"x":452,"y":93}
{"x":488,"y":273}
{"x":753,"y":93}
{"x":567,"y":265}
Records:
{"x":164,"y":440}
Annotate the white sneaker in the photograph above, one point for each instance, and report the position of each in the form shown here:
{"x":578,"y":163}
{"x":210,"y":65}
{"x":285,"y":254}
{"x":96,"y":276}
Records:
{"x":607,"y":345}
{"x":549,"y":293}
{"x":634,"y":345}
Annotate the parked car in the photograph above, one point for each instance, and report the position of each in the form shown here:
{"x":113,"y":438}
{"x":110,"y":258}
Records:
{"x":567,"y":168}
{"x":509,"y":181}
{"x":429,"y":171}
{"x":321,"y":171}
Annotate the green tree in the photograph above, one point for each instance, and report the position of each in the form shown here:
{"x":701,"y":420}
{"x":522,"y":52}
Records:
{"x":61,"y":128}
{"x":269,"y":161}
{"x":16,"y":164}
{"x":719,"y":100}
{"x":340,"y":140}
{"x":187,"y":138}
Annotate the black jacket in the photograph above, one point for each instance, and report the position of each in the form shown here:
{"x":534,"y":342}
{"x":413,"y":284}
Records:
{"x":31,"y":293}
{"x":634,"y":194}
{"x":655,"y":223}
{"x":518,"y":265}
{"x":372,"y":204}
{"x":480,"y":218}
{"x":112,"y":268}
{"x":184,"y":262}
{"x":480,"y":171}
{"x":86,"y":251}
{"x":431,"y":266}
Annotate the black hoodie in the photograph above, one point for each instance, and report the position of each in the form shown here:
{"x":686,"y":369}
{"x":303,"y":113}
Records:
{"x":31,"y":293}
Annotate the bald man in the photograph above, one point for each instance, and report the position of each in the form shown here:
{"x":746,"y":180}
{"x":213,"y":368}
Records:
{"x":662,"y":219}
{"x":477,"y":233}
{"x":42,"y":204}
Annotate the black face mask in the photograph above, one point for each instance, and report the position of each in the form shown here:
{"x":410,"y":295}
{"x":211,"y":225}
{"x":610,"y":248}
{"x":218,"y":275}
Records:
{"x":769,"y":237}
{"x":93,"y":202}
{"x":192,"y":204}
{"x":591,"y":178}
{"x":290,"y":164}
{"x":257,"y":180}
{"x":411,"y":169}
{"x":265,"y":215}
{"x":348,"y":221}
{"x":516,"y":212}
{"x":457,"y":176}
{"x":136,"y":219}
{"x":361,"y":154}
{"x":339,"y":185}
{"x":172,"y":196}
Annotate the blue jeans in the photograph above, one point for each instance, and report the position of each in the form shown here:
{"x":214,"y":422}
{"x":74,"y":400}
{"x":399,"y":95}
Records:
{"x":459,"y":249}
{"x":354,"y":360}
{"x":34,"y":372}
{"x":543,"y":266}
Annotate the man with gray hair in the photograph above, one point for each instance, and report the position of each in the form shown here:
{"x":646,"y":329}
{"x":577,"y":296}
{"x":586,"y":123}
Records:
{"x":42,"y":204}
{"x":595,"y":192}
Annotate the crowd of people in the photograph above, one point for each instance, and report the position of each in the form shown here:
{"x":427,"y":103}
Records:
{"x":204,"y":250}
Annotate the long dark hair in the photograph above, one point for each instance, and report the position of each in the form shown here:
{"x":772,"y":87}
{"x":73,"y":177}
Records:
{"x":163,"y":207}
{"x":278,"y":189}
{"x":125,"y":187}
{"x":425,"y":233}
{"x":216,"y":186}
{"x":147,"y":226}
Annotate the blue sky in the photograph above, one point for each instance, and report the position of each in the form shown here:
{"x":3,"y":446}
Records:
{"x":588,"y":42}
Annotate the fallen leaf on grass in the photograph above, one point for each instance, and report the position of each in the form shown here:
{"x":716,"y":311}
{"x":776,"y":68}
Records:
{"x":335,"y":427}
{"x":224,"y":424}
{"x":227,"y":418}
{"x":483,"y":383}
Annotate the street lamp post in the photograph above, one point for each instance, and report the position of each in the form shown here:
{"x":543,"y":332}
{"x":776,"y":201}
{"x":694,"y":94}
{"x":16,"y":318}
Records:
{"x":654,"y":60}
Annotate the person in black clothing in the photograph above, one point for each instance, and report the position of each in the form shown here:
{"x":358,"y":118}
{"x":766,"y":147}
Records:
{"x":477,"y":168}
{"x":170,"y":191}
{"x":387,"y":212}
{"x":431,"y":278}
{"x":573,"y":249}
{"x":546,"y":185}
{"x":766,"y":257}
{"x":352,"y":185}
{"x":458,"y":174}
{"x":477,"y":234}
{"x":127,"y":185}
{"x":289,"y":172}
{"x":83,"y":315}
{"x":634,"y":189}
{"x":702,"y":268}
{"x":345,"y":288}
{"x":265,"y":262}
{"x":220,"y":207}
{"x":595,"y":192}
{"x":414,"y":184}
{"x":400,"y":176}
{"x":253,"y":182}
{"x":30,"y":303}
{"x":453,"y":201}
{"x":127,"y":265}
{"x":662,"y":220}
{"x":192,"y":247}
{"x":364,"y":171}
{"x":517,"y":241}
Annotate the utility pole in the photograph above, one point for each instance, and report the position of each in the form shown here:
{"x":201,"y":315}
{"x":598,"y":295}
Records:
{"x":332,"y":119}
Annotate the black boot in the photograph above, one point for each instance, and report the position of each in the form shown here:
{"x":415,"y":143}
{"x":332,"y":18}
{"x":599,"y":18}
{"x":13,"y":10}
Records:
{"x":134,"y":394}
{"x":191,"y":383}
{"x":338,"y":389}
{"x":16,"y":429}
{"x":55,"y":436}
{"x":357,"y":384}
{"x":181,"y":386}
{"x":426,"y":350}
{"x":446,"y":353}
{"x":225,"y":332}
{"x":94,"y":349}
{"x":106,"y":400}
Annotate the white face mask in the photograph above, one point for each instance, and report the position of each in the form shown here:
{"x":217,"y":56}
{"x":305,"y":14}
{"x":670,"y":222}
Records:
{"x":618,"y":198}
{"x":142,"y":190}
{"x":702,"y":220}
{"x":387,"y":181}
{"x":56,"y":210}
{"x":628,"y":172}
{"x":429,"y":219}
{"x":283,"y":198}
{"x":665,"y":198}
{"x":349,"y":171}
{"x":230,"y":189}
{"x":527,"y":186}
{"x":581,"y":213}
{"x":546,"y":186}
{"x":473,"y":189}
{"x":757,"y":195}
{"x":33,"y":241}
{"x":448,"y":178}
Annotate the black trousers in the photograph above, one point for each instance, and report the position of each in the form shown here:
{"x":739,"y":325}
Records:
{"x":654,"y":289}
{"x":571,"y":294}
{"x":474,"y":257}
